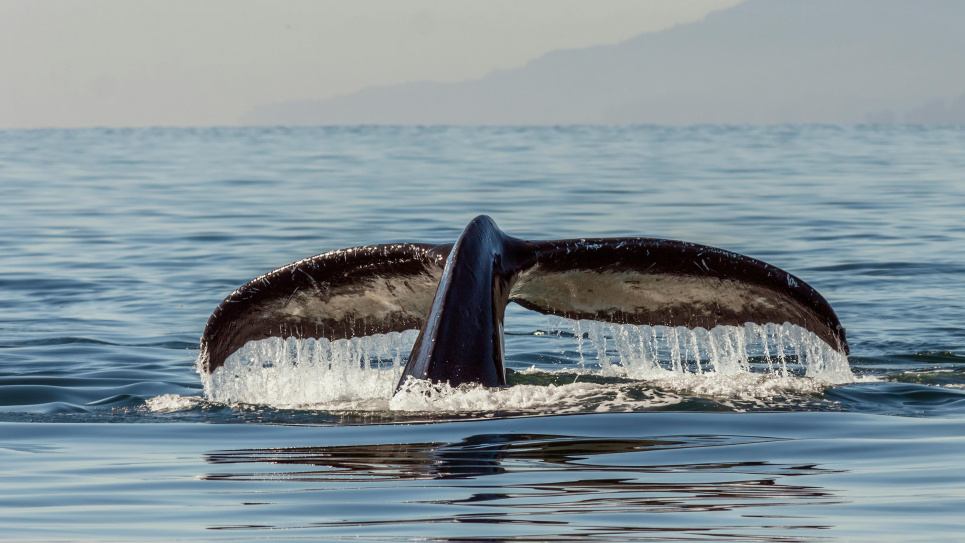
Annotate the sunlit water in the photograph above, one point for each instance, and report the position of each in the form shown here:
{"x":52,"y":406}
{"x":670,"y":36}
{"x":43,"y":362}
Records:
{"x":116,"y":245}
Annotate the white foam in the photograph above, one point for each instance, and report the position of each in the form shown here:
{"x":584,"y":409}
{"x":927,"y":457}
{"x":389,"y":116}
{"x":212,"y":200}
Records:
{"x":423,"y":396}
{"x":167,"y":403}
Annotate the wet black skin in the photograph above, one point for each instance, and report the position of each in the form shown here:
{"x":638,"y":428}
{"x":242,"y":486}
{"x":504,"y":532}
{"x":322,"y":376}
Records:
{"x":462,"y":338}
{"x":456,"y":296}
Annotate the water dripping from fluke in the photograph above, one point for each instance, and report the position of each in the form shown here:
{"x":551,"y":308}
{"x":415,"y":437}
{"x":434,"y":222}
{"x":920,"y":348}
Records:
{"x":608,"y":368}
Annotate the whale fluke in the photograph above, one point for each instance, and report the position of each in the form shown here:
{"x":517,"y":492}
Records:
{"x":456,"y":295}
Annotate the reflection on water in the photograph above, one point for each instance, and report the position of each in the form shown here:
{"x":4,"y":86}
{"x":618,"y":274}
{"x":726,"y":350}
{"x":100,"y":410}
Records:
{"x":557,"y":487}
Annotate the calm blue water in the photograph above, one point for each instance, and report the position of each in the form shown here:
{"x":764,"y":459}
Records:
{"x":116,"y":245}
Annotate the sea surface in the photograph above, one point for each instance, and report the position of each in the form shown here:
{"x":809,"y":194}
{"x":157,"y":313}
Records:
{"x":116,"y":246}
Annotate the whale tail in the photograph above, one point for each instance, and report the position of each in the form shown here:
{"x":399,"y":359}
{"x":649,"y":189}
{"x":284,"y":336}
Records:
{"x":456,"y":295}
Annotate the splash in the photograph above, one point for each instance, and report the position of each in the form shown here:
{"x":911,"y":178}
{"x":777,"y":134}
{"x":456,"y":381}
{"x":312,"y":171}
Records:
{"x":615,"y":368}
{"x":169,"y":403}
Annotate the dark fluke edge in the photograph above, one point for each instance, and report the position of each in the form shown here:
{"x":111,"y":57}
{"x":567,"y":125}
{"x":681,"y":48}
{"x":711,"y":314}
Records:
{"x":456,"y":296}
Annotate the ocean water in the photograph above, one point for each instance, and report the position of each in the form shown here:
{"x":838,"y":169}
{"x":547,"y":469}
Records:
{"x":116,"y":245}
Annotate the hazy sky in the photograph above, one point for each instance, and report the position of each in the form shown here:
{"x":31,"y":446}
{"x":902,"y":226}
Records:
{"x":192,"y":62}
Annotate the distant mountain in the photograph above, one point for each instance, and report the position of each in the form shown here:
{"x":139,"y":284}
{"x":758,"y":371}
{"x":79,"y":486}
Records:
{"x":762,"y":61}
